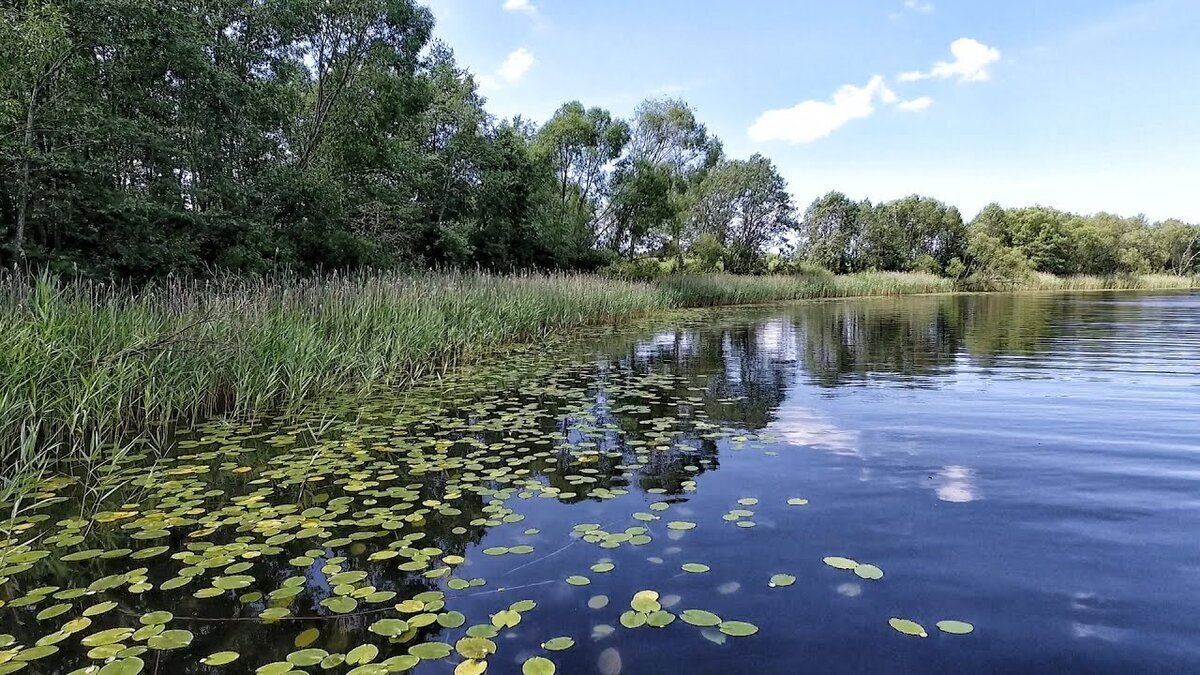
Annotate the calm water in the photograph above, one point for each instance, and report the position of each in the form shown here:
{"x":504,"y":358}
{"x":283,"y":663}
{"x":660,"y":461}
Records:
{"x":1029,"y":464}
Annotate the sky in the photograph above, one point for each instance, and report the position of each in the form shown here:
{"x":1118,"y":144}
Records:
{"x":1085,"y":105}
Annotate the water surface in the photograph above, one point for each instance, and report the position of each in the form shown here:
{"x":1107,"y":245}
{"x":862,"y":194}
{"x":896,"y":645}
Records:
{"x":1025,"y":463}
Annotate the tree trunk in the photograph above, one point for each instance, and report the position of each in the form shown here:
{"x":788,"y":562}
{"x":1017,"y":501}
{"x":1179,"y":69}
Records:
{"x":23,"y":188}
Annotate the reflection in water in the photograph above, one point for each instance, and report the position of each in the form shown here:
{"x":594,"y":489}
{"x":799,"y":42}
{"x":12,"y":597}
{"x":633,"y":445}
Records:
{"x":800,"y":426}
{"x":957,"y":484}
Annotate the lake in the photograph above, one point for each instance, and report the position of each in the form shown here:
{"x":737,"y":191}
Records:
{"x":780,"y":489}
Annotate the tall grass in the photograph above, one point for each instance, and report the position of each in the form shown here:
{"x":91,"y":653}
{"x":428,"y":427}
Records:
{"x":85,"y":364}
{"x":728,"y":289}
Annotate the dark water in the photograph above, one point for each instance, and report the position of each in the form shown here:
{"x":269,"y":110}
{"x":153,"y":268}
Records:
{"x":1029,"y":464}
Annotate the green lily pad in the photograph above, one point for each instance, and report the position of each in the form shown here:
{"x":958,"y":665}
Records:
{"x":170,"y":639}
{"x":781,"y":580}
{"x":558,"y":644}
{"x":695,"y":568}
{"x":955,"y":627}
{"x":699,"y":617}
{"x":576,"y":580}
{"x":537,"y":665}
{"x":840,"y":562}
{"x":737,"y":628}
{"x":680,"y":525}
{"x":908,"y":627}
{"x":869,"y":572}
{"x":220,"y":659}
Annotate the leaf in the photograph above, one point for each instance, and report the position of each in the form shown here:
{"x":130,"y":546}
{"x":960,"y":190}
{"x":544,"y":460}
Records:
{"x":576,"y":580}
{"x":907,"y":627}
{"x":389,"y":627}
{"x":695,"y":568}
{"x":220,"y":658}
{"x":840,"y":563}
{"x":475,"y":647}
{"x":738,"y":628}
{"x":470,"y":667}
{"x":955,"y":627}
{"x":680,"y":525}
{"x":781,"y":580}
{"x":700,"y":617}
{"x":538,"y":666}
{"x":170,"y":639}
{"x":869,"y":572}
{"x":558,"y":644}
{"x":797,"y":501}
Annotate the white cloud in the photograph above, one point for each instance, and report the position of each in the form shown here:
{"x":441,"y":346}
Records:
{"x":520,"y":6}
{"x":971,"y":60}
{"x":915,"y":104}
{"x":811,"y":120}
{"x":516,"y":65}
{"x":918,"y":6}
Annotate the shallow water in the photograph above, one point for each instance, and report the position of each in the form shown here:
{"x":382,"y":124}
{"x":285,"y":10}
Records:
{"x":1027,"y":464}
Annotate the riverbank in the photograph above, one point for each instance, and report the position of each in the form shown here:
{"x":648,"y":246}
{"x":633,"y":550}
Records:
{"x":83,"y":365}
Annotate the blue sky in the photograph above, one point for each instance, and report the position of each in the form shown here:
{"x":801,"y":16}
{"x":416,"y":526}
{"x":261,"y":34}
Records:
{"x":1087,"y":105}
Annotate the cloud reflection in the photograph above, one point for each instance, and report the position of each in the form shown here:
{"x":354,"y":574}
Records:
{"x":957,"y":484}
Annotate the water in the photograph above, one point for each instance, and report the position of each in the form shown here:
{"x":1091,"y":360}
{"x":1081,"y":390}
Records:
{"x":1028,"y":464}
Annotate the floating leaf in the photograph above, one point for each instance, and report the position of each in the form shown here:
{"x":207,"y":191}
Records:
{"x":558,"y":644}
{"x":700,"y":617}
{"x":602,"y":567}
{"x":220,"y":658}
{"x":362,"y":654}
{"x":737,"y":628}
{"x":840,"y":563}
{"x":470,"y":667}
{"x":781,"y":580}
{"x":797,"y":501}
{"x":475,"y":647}
{"x":430,"y":651}
{"x":908,"y":627}
{"x":869,"y":572}
{"x":538,"y":666}
{"x":389,"y":627}
{"x":680,"y":525}
{"x":170,"y":639}
{"x":955,"y":627}
{"x":695,"y":568}
{"x":578,"y":580}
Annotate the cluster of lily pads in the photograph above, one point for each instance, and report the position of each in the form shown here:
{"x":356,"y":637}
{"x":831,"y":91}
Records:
{"x":263,"y":533}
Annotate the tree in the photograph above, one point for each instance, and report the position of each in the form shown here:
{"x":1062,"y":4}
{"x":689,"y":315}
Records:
{"x":34,"y":50}
{"x":667,"y":141}
{"x":831,"y":233}
{"x":579,"y":144}
{"x":745,"y":205}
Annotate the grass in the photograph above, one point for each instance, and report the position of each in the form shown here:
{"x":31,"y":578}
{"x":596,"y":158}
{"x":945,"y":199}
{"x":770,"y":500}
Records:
{"x":84,"y":365}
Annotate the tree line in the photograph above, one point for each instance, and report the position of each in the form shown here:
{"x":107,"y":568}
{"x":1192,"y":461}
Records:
{"x":143,"y":139}
{"x":922,"y":234}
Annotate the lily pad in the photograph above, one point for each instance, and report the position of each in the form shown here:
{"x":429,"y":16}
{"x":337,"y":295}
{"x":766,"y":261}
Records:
{"x":781,"y":580}
{"x":737,"y":628}
{"x":869,"y":572}
{"x":908,"y":627}
{"x":695,"y":568}
{"x":558,"y":644}
{"x":955,"y":627}
{"x":538,"y":666}
{"x":840,"y":562}
{"x":700,"y":617}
